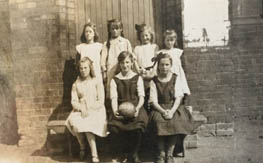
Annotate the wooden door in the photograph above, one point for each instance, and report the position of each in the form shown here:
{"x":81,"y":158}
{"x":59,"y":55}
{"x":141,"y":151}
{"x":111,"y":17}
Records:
{"x":130,"y":12}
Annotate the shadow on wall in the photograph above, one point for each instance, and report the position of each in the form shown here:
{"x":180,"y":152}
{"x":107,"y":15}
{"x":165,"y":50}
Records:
{"x":8,"y":116}
{"x":69,"y":76}
{"x":62,"y":111}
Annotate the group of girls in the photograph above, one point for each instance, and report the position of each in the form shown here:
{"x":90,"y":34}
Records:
{"x":146,"y":77}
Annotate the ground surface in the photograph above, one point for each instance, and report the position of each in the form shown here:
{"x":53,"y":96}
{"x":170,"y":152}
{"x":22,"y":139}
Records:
{"x":246,"y":146}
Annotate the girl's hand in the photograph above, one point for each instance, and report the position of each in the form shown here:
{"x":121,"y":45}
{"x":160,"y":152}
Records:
{"x":141,"y":71}
{"x":136,"y":112}
{"x":84,"y":110}
{"x":84,"y":113}
{"x":169,"y":115}
{"x":148,"y":74}
{"x":104,"y":76}
{"x":164,"y":114}
{"x":117,"y":115}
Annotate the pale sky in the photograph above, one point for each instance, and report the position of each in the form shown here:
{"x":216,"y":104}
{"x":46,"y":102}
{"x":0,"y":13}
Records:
{"x":209,"y":14}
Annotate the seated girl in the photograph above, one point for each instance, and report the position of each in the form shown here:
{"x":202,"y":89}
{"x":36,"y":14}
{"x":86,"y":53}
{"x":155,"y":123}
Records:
{"x":127,"y":86}
{"x":169,"y":117}
{"x":88,"y":117}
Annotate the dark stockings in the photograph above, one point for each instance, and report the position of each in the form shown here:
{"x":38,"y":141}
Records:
{"x":166,"y":146}
{"x":125,"y":143}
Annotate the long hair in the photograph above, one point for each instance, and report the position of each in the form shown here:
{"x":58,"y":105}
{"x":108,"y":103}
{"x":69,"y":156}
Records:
{"x":87,"y":59}
{"x":171,"y":33}
{"x":110,"y":23}
{"x":144,"y":28}
{"x":93,"y":26}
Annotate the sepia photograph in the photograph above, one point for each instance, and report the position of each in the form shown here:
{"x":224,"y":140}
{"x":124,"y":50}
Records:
{"x":131,"y":81}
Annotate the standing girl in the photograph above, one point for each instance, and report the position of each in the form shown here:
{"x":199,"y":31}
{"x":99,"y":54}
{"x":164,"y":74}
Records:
{"x":170,"y":42}
{"x":169,"y":116}
{"x":127,"y":86}
{"x":115,"y":44}
{"x":89,"y":47}
{"x":146,"y":50}
{"x":88,"y":117}
{"x":144,"y":54}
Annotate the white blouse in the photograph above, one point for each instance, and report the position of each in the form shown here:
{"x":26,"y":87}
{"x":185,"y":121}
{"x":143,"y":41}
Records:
{"x":131,"y":74}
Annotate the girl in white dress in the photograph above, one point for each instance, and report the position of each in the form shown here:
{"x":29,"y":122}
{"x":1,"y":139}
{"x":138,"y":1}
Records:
{"x":89,"y":47}
{"x":170,"y":42}
{"x":88,"y":117}
{"x":146,"y":50}
{"x":115,"y":44}
{"x":144,"y":54}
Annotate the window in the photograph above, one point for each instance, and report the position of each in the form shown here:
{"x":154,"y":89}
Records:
{"x":206,"y":23}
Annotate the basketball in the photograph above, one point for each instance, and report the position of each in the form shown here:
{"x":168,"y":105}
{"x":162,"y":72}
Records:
{"x":127,"y":110}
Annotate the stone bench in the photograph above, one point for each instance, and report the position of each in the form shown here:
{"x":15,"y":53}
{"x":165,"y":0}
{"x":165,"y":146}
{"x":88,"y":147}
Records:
{"x":58,"y":127}
{"x":55,"y":127}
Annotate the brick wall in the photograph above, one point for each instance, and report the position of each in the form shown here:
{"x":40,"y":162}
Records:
{"x":8,"y":122}
{"x":210,"y":74}
{"x":226,"y":83}
{"x":42,"y":32}
{"x":248,"y":69}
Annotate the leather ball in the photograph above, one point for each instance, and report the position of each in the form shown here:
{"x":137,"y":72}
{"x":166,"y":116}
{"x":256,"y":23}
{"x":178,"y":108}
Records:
{"x":127,"y":110}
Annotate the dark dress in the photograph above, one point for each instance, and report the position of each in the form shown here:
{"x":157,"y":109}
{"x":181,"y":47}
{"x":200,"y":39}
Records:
{"x":182,"y":121}
{"x":127,"y":92}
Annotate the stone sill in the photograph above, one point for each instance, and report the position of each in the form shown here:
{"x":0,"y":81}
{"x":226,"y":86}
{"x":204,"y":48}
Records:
{"x":217,"y":49}
{"x":247,"y":20}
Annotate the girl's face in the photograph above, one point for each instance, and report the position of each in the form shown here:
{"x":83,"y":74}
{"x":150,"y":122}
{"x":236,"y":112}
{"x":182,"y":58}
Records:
{"x":89,"y":34}
{"x":164,"y":66}
{"x":145,"y":37}
{"x":84,"y":69}
{"x":126,"y":65}
{"x":169,"y":42}
{"x":115,"y":30}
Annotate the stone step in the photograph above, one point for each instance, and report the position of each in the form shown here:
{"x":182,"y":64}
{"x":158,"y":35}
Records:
{"x":199,"y":119}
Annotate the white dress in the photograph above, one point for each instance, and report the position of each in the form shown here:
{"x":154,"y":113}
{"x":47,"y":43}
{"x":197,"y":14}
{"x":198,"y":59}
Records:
{"x":92,"y":51}
{"x":177,"y":68}
{"x":145,"y":53}
{"x":88,"y":94}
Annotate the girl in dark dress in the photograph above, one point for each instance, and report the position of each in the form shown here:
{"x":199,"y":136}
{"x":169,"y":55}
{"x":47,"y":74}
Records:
{"x":127,"y":86}
{"x":169,"y":116}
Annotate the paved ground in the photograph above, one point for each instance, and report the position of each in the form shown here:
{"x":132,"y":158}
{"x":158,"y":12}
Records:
{"x":246,"y":146}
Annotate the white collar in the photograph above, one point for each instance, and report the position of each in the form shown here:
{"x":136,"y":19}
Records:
{"x":128,"y":76}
